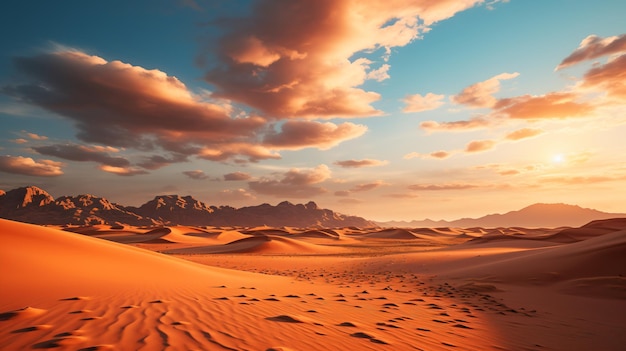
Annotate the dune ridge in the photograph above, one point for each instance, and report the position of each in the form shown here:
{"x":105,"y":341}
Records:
{"x":299,"y":289}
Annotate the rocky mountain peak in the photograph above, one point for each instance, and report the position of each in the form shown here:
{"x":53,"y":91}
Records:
{"x":30,"y":196}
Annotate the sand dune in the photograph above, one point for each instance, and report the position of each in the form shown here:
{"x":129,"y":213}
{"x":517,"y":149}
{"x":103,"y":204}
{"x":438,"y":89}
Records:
{"x":259,"y":244}
{"x":334,"y":289}
{"x":392,"y":233}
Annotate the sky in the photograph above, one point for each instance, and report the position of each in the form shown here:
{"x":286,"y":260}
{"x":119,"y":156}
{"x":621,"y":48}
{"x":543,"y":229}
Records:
{"x":385,"y":109}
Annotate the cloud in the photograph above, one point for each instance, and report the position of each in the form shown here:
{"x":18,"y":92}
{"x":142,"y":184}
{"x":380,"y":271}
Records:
{"x":419,"y":103}
{"x":581,"y":180}
{"x":28,"y":166}
{"x":197,"y":174}
{"x":440,"y":155}
{"x":380,"y":73}
{"x":342,"y":193}
{"x":368,"y":186}
{"x":123,"y":171}
{"x":295,"y":183}
{"x":473,"y":123}
{"x":438,"y":187}
{"x":551,"y":105}
{"x":20,"y":141}
{"x":523,"y":133}
{"x":479,"y":145}
{"x":610,"y":77}
{"x":360,"y":163}
{"x":158,"y":161}
{"x":35,"y":136}
{"x":83,"y":153}
{"x":480,"y":95}
{"x":508,"y":172}
{"x":235,"y":176}
{"x":593,"y":47}
{"x":118,"y":104}
{"x":306,"y":58}
{"x":295,"y":135}
{"x":249,"y":152}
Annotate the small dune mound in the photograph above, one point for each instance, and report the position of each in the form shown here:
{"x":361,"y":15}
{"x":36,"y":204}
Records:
{"x":284,"y":319}
{"x":428,"y":231}
{"x":270,"y":245}
{"x":261,"y":244}
{"x":392,"y":233}
{"x":22,"y":313}
{"x":611,"y":287}
{"x":588,"y":231}
{"x":266,"y":231}
{"x":322,"y":234}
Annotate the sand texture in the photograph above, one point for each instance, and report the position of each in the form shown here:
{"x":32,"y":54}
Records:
{"x":263,"y":288}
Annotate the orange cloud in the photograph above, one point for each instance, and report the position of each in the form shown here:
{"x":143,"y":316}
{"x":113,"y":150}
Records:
{"x":473,"y":123}
{"x":593,"y":47}
{"x":480,"y":95}
{"x":20,"y":141}
{"x":610,"y":77}
{"x":437,"y":187}
{"x":552,"y":105}
{"x":122,"y":171}
{"x":296,"y":183}
{"x":82,"y":153}
{"x":118,"y":104}
{"x":30,"y":167}
{"x":479,"y":145}
{"x":236,"y":176}
{"x":36,"y":136}
{"x":360,"y":163}
{"x":523,"y":133}
{"x":295,"y":135}
{"x":297,"y":58}
{"x":419,"y":103}
{"x":368,"y":186}
{"x":581,"y":180}
{"x":251,"y":153}
{"x":436,"y":155}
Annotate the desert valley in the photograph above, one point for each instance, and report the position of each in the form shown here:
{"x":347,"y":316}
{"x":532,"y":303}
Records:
{"x":171,"y":285}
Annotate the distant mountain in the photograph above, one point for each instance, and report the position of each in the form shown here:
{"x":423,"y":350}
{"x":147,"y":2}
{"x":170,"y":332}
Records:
{"x":537,"y":215}
{"x":176,"y":209}
{"x":34,"y":205}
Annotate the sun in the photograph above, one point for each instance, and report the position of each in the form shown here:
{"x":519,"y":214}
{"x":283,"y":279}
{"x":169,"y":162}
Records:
{"x":558,"y":158}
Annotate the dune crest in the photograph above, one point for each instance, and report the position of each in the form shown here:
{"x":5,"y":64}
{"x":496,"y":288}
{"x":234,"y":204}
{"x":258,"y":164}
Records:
{"x":301,"y":289}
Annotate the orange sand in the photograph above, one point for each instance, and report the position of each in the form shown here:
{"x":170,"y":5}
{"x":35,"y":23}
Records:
{"x":300,"y":289}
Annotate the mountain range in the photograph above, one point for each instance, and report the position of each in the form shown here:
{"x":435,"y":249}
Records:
{"x":34,"y":205}
{"x":533,"y":216}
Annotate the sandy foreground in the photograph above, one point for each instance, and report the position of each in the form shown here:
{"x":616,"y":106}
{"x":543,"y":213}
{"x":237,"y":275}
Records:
{"x":189,"y":288}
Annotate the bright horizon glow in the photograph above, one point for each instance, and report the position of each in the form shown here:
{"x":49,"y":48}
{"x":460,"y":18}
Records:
{"x":410,"y":112}
{"x":558,"y":158}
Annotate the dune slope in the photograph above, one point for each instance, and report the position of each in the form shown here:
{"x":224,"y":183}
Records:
{"x":66,"y":291}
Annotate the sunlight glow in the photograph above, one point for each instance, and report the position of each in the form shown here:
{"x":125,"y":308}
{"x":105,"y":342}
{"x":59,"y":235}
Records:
{"x":558,"y":158}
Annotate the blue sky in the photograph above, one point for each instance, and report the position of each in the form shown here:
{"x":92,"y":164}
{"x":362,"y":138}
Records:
{"x":307,"y":100}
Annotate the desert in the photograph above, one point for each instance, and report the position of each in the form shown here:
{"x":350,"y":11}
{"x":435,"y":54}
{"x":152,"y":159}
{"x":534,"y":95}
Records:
{"x":104,"y":287}
{"x":313,"y":175}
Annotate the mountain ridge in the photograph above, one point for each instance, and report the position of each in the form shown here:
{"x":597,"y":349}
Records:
{"x":535,"y":215}
{"x":34,"y":205}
